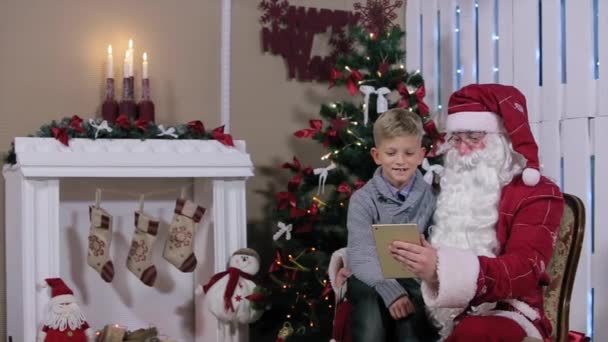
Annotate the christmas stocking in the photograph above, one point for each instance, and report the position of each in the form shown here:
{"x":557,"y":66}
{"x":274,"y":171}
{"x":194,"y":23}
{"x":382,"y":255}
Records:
{"x":178,"y":247}
{"x":100,"y":236}
{"x":139,"y":260}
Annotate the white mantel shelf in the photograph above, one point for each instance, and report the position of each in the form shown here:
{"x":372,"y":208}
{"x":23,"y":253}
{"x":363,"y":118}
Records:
{"x":32,"y":215}
{"x":47,"y":157}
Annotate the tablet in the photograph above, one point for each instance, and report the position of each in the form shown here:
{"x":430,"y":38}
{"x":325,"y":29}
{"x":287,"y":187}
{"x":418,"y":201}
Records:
{"x":384,"y":234}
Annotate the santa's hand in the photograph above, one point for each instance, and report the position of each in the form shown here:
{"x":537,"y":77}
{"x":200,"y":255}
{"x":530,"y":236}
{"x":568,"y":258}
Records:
{"x":421,"y":260}
{"x":401,"y":308}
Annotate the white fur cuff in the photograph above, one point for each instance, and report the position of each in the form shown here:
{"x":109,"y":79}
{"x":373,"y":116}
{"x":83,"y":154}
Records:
{"x":41,"y":336}
{"x":337,"y":261}
{"x":457,"y":270}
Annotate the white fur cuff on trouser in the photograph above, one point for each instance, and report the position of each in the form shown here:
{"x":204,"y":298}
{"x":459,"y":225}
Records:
{"x":337,"y":261}
{"x":457,"y":272}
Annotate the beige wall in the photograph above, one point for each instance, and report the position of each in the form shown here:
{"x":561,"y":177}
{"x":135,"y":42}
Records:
{"x":52,"y":57}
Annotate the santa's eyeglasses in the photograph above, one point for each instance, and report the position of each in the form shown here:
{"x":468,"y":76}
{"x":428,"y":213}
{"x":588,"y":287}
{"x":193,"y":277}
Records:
{"x":469,"y":138}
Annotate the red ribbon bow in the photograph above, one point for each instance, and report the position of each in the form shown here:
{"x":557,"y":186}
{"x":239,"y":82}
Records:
{"x":123,"y":122}
{"x":219,"y":135}
{"x":76,"y":124}
{"x":61,"y":134}
{"x":196,"y":127}
{"x":344,"y":188}
{"x":419,"y":94}
{"x":295,"y":166}
{"x":575,"y":336}
{"x":142,"y":124}
{"x":285,"y":199}
{"x":233,"y":278}
{"x":315,"y":126}
{"x":352,"y":82}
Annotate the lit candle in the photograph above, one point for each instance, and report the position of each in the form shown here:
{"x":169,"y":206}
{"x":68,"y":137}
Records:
{"x":130,"y":57}
{"x":125,"y":68}
{"x":110,"y":63}
{"x":145,"y":66}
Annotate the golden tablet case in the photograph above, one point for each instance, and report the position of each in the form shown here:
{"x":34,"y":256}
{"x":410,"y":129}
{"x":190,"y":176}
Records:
{"x":384,"y":234}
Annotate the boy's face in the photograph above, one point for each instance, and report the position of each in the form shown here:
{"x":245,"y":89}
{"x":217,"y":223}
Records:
{"x":399,"y":157}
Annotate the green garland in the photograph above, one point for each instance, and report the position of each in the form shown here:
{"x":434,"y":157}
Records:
{"x":123,"y":128}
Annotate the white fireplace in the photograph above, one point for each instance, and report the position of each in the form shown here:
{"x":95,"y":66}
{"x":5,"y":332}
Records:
{"x":47,"y":197}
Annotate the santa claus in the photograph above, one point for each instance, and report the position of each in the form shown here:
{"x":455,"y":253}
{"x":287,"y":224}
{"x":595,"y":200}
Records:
{"x":65,"y":321}
{"x":495,"y":224}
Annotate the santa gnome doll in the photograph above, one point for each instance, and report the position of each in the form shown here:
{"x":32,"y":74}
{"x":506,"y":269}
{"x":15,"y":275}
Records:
{"x":495,"y":223}
{"x":65,"y":321}
{"x":230,"y":294}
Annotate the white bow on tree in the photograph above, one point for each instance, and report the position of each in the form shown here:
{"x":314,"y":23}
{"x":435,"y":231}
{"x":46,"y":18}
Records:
{"x":323,"y":172}
{"x":169,"y":131}
{"x":381,"y":101}
{"x":103,"y":126}
{"x":431,"y":170}
{"x":283,"y":229}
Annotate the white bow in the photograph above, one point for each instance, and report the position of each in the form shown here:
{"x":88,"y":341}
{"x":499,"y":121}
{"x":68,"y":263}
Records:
{"x":169,"y":131}
{"x":103,"y":126}
{"x":283,"y":229}
{"x":323,"y":172}
{"x":381,"y":101}
{"x":430,"y":170}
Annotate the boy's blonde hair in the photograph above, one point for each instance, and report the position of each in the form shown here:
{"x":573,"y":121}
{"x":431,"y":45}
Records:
{"x":397,"y":122}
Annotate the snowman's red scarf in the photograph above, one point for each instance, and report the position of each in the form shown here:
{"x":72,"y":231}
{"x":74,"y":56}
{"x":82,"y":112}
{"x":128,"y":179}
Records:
{"x":233,"y":278}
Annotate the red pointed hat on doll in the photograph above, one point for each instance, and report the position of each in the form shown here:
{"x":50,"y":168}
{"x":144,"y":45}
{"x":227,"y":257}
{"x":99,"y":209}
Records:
{"x":496,"y":108}
{"x":60,"y":292}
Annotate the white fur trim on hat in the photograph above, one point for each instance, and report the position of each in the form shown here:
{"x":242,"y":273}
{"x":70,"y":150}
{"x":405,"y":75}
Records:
{"x":530,"y":176}
{"x":474,"y":121}
{"x":66,"y":298}
{"x":521,"y":320}
{"x":337,"y":261}
{"x":456,"y":288}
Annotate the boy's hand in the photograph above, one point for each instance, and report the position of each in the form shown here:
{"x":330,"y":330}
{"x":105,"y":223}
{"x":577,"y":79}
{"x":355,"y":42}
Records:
{"x":401,"y":308}
{"x":421,"y":260}
{"x":342,"y":275}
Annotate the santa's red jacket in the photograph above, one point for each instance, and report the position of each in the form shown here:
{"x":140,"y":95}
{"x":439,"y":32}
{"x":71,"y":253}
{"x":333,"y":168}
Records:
{"x":54,"y":335}
{"x":527,"y":230}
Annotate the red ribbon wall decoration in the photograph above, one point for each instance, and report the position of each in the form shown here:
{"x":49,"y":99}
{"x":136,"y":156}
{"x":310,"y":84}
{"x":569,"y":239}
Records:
{"x":289,"y":31}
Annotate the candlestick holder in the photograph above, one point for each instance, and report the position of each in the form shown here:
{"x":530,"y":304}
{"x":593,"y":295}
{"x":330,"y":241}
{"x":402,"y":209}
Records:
{"x":127,"y":104}
{"x":109,"y":108}
{"x":145,"y":107}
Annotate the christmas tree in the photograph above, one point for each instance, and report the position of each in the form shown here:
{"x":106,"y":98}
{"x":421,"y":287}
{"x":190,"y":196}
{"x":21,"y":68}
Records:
{"x":311,"y":212}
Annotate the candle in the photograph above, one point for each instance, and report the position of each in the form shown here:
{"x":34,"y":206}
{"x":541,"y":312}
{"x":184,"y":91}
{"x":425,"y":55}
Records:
{"x":145,"y":66}
{"x":130,"y":57}
{"x":125,"y":68}
{"x":110,"y":63}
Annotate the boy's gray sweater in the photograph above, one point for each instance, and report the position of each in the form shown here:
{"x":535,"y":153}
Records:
{"x":375,"y":203}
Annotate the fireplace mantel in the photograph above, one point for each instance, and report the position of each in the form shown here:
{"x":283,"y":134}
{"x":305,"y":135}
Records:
{"x":33,"y":201}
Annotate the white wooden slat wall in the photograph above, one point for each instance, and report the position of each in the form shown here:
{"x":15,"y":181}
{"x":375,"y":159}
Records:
{"x":567,"y":118}
{"x":412,"y":43}
{"x":429,"y":47}
{"x":600,"y":276}
{"x":486,"y":35}
{"x":505,"y":43}
{"x":525,"y":47}
{"x":602,"y":86}
{"x":576,"y":153}
{"x":580,"y":89}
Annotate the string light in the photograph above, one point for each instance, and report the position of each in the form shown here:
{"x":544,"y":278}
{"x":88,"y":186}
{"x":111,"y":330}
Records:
{"x":371,"y":35}
{"x":312,"y":249}
{"x":401,"y":66}
{"x":332,"y":105}
{"x":318,"y":201}
{"x":288,"y":316}
{"x":379,"y":74}
{"x":326,"y":156}
{"x":347,"y":68}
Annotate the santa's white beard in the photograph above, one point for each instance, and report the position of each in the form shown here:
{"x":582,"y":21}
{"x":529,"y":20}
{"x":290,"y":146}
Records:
{"x":467,"y":207}
{"x":62,"y":317}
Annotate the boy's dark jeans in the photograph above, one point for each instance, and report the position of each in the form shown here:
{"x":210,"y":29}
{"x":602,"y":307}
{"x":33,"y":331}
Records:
{"x":372,"y":321}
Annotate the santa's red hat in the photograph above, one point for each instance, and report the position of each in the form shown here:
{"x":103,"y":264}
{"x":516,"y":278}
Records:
{"x":60,"y":292}
{"x":496,"y":108}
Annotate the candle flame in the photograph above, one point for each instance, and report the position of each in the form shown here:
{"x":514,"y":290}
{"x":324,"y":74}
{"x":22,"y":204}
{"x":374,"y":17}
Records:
{"x":130,"y":43}
{"x":145,"y":56}
{"x":127,"y":54}
{"x":110,"y":49}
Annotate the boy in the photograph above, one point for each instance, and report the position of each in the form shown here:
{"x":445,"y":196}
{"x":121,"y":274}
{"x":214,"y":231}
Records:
{"x":397,"y":193}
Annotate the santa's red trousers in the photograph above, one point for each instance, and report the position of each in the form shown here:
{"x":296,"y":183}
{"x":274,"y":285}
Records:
{"x":487,"y":329}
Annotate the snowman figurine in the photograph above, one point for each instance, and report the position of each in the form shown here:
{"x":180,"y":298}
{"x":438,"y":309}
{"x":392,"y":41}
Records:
{"x":229,"y":293}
